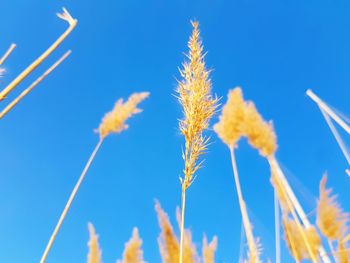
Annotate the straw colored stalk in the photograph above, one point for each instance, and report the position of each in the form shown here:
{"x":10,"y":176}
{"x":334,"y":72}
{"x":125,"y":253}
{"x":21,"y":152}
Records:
{"x":7,"y":53}
{"x":305,"y":239}
{"x":133,"y":251}
{"x":169,"y":244}
{"x":113,"y":122}
{"x":95,"y":254}
{"x":194,"y":94}
{"x":72,"y":24}
{"x":11,"y":105}
{"x":209,"y":249}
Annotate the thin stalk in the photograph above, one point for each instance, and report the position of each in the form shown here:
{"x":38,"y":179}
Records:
{"x":330,"y":244}
{"x":274,"y":165}
{"x":69,"y":202}
{"x":7,"y":54}
{"x":328,"y":110}
{"x":296,"y":219}
{"x":9,"y":107}
{"x":277,"y":229}
{"x":245,"y":217}
{"x":182,"y":230}
{"x":72,"y":24}
{"x":337,"y":136}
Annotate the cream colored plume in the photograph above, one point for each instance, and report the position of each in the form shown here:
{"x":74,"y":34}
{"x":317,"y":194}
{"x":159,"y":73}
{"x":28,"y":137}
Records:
{"x":114,"y":121}
{"x":209,"y":249}
{"x":94,"y":255}
{"x":132,"y":251}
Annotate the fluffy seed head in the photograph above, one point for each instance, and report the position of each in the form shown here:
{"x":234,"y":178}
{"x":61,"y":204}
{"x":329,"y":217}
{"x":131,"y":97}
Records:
{"x":194,"y":94}
{"x":295,"y":241}
{"x":94,"y":255}
{"x":331,"y":219}
{"x":114,"y":121}
{"x":209,"y":249}
{"x":132,"y":251}
{"x":230,"y":128}
{"x":343,"y":253}
{"x":261,"y":134}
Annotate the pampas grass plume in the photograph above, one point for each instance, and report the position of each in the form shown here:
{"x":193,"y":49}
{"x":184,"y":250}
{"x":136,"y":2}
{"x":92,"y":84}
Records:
{"x":94,"y":255}
{"x":132,"y":251}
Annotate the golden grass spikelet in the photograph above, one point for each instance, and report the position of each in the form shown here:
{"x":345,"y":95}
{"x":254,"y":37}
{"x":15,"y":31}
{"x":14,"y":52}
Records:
{"x":209,"y":249}
{"x":254,"y":255}
{"x":114,"y":121}
{"x":330,"y":217}
{"x":94,"y":255}
{"x":343,"y":253}
{"x":230,"y":128}
{"x":167,"y":240}
{"x":194,"y":94}
{"x":295,"y":242}
{"x":132,"y":251}
{"x":261,"y":135}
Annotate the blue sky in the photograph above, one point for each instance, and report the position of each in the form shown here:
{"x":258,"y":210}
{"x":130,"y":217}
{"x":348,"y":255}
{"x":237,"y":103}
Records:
{"x":274,"y":49}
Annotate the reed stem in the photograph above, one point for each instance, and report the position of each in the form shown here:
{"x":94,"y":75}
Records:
{"x":245,"y":217}
{"x":182,"y":230}
{"x":9,"y":107}
{"x":277,"y":229}
{"x":69,"y":202}
{"x":7,"y":54}
{"x":72,"y":24}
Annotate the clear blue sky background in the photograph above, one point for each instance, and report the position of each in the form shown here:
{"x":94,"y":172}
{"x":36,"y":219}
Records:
{"x":274,"y":49}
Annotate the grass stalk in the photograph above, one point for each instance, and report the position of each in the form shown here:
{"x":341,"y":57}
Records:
{"x":182,"y":228}
{"x":69,"y":202}
{"x":277,"y":229}
{"x":72,"y":24}
{"x":333,"y":252}
{"x":290,"y":194}
{"x":7,"y":54}
{"x":10,"y":106}
{"x":292,"y":244}
{"x":245,"y":218}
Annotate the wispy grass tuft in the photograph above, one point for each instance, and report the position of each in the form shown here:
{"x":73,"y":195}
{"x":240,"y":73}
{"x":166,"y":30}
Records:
{"x":95,"y":254}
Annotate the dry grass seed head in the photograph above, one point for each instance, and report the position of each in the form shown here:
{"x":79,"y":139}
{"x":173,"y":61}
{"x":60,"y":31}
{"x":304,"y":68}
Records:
{"x":132,"y":251}
{"x":114,"y":121}
{"x":295,"y":241}
{"x":209,"y":249}
{"x":261,"y":135}
{"x":94,"y":255}
{"x":331,"y":219}
{"x":230,"y":126}
{"x":167,"y":240}
{"x":343,"y":252}
{"x":254,"y":255}
{"x":194,"y":94}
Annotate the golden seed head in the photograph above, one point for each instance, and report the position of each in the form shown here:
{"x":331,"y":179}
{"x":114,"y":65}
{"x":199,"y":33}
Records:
{"x":230,"y":126}
{"x":94,"y":255}
{"x":343,"y":252}
{"x":295,"y":241}
{"x":114,"y":121}
{"x":260,"y":134}
{"x":167,"y":240}
{"x":194,"y":94}
{"x":209,"y":249}
{"x":331,"y":219}
{"x":132,"y":251}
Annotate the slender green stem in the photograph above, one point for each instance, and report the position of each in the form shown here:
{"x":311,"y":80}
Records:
{"x":182,"y":230}
{"x":69,"y":202}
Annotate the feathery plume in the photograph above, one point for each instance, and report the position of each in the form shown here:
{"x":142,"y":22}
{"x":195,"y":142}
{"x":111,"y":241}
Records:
{"x":343,"y":252}
{"x":260,"y":134}
{"x":194,"y":94}
{"x":209,"y":249}
{"x":167,"y":240}
{"x":295,"y":242}
{"x":230,"y":126}
{"x":330,"y":217}
{"x":114,"y":121}
{"x":132,"y":251}
{"x":94,"y":255}
{"x":254,"y":255}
